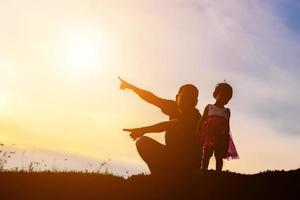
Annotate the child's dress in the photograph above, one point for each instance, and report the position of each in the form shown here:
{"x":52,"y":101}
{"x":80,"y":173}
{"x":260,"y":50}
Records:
{"x":217,"y":137}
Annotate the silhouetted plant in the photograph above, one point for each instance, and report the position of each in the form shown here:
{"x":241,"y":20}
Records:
{"x":102,"y":164}
{"x":4,"y":157}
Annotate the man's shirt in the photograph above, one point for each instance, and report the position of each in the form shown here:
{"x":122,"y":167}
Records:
{"x":181,"y":138}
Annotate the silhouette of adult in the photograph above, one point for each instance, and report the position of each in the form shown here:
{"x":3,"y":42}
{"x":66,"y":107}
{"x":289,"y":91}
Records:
{"x":181,"y":151}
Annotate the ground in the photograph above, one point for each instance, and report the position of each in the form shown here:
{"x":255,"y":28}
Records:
{"x":203,"y":185}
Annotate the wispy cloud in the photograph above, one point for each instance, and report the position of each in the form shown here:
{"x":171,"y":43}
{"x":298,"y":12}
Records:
{"x":255,"y":49}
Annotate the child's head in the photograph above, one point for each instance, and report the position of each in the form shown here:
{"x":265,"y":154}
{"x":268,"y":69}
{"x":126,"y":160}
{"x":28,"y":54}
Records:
{"x":223,"y":93}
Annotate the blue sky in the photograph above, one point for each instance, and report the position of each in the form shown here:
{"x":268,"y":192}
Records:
{"x":289,"y":11}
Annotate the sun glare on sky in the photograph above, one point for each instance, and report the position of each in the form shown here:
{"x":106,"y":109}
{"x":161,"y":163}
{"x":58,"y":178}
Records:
{"x":82,"y":53}
{"x":78,"y":53}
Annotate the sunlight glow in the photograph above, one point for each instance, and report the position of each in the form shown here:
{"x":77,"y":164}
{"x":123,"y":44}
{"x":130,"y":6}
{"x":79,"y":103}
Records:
{"x":83,"y":54}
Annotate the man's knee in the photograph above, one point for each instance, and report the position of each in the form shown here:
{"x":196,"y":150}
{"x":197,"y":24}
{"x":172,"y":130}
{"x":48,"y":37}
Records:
{"x":142,"y":142}
{"x":143,"y":146}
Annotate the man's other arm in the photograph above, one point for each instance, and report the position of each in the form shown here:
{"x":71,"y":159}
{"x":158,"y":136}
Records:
{"x":156,"y":128}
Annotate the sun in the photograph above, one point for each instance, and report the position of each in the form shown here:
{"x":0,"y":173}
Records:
{"x":83,"y":53}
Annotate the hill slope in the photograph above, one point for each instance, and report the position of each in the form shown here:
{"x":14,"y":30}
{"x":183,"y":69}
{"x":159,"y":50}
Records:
{"x":208,"y":185}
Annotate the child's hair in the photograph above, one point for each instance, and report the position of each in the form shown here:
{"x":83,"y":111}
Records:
{"x":225,"y":88}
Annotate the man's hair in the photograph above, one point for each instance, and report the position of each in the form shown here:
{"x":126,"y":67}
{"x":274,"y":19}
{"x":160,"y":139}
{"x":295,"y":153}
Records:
{"x":225,"y":88}
{"x":189,"y":90}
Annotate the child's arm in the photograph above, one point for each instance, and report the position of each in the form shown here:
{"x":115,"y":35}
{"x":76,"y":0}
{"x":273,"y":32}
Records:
{"x":156,"y":128}
{"x":202,"y":120}
{"x":144,"y":94}
{"x":228,"y":127}
{"x":201,"y":124}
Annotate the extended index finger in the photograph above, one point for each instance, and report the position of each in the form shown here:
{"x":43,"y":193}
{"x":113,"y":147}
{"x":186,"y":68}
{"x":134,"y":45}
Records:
{"x":127,"y":129}
{"x":120,"y":79}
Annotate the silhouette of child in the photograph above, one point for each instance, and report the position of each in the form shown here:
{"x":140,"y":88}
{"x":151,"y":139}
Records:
{"x":214,"y":128}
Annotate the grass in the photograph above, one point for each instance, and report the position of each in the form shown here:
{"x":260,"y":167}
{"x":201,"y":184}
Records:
{"x":43,"y":182}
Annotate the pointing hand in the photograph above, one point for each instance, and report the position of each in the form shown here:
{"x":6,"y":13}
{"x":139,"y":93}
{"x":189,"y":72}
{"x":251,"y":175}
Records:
{"x":134,"y":133}
{"x":124,"y":84}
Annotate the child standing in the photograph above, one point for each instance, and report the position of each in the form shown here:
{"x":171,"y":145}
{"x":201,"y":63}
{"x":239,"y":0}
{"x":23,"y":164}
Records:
{"x":214,"y":128}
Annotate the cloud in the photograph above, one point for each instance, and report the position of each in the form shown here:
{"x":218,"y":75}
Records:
{"x":254,"y":48}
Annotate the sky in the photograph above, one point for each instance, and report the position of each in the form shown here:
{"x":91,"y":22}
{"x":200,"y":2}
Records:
{"x":59,"y":63}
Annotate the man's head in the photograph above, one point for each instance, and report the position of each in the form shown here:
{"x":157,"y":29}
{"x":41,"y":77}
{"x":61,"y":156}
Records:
{"x":187,"y":97}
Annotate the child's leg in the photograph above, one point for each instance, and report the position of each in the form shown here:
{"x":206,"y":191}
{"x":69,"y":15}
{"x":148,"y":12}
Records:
{"x":220,"y":151}
{"x":219,"y":162}
{"x":206,"y":156}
